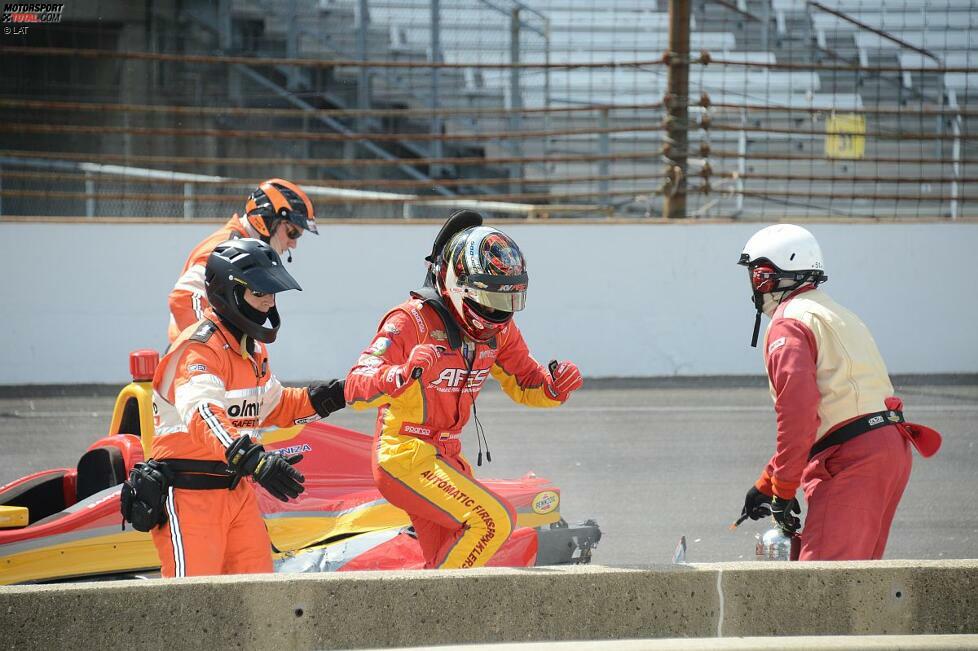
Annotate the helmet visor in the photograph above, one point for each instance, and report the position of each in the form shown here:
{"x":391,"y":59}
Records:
{"x":269,"y":280}
{"x":506,"y":293}
{"x":300,"y":213}
{"x":504,"y":301}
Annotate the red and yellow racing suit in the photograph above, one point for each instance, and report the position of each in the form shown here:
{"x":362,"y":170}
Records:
{"x":206,"y":394}
{"x":188,"y":298}
{"x":418,"y":463}
{"x":825,"y":371}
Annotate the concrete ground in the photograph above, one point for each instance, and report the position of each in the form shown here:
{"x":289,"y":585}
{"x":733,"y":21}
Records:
{"x":779,"y":643}
{"x":649,"y":460}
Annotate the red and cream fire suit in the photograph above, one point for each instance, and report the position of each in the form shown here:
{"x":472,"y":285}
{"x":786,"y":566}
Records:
{"x":825,"y":371}
{"x":418,"y":463}
{"x":188,"y":298}
{"x":206,"y":394}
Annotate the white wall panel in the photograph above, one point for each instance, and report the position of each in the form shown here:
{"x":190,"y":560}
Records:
{"x":619,"y":299}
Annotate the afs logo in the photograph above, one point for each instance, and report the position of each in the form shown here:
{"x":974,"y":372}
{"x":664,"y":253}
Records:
{"x":454,"y":377}
{"x":545,"y":502}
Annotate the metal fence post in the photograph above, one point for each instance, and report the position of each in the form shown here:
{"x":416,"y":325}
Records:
{"x":89,"y":196}
{"x":765,"y":25}
{"x":515,"y":102}
{"x":546,"y":96}
{"x":437,"y":148}
{"x":604,"y":150}
{"x":741,"y":163}
{"x":225,"y":39}
{"x":956,"y":166}
{"x":188,"y":201}
{"x":292,"y":46}
{"x":363,"y":76}
{"x":677,"y":105}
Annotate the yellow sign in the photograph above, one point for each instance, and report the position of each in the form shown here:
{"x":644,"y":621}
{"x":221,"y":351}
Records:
{"x":845,"y":136}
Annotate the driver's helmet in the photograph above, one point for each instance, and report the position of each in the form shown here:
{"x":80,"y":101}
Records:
{"x":481,"y":275}
{"x":278,"y":200}
{"x":240,"y":264}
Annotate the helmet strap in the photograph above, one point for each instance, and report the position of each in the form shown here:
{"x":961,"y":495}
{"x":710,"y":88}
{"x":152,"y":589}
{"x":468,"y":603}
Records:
{"x":800,"y":279}
{"x":757,"y":329}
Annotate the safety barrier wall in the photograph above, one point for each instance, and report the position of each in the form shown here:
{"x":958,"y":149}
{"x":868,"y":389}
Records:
{"x":621,"y":299}
{"x":366,"y":609}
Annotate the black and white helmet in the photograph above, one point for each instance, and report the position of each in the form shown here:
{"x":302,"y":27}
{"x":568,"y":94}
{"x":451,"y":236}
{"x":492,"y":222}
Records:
{"x":241,"y":264}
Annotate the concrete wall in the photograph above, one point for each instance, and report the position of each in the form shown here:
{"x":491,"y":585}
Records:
{"x":619,"y":299}
{"x":380,"y":609}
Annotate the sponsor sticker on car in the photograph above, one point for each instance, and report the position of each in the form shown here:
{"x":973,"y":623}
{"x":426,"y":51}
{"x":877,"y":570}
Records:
{"x":545,"y":502}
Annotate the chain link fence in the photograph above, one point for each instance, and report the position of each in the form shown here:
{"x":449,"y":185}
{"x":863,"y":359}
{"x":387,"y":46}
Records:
{"x":748,"y":109}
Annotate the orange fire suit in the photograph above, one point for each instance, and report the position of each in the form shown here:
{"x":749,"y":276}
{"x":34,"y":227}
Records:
{"x":188,"y":298}
{"x":206,"y":394}
{"x":418,"y":463}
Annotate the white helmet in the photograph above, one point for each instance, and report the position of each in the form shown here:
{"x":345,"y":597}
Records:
{"x":781,"y":258}
{"x":785,"y":246}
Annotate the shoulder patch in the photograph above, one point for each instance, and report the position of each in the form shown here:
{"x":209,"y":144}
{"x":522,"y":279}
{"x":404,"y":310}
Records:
{"x":204,"y":332}
{"x":380,"y":346}
{"x":774,"y":345}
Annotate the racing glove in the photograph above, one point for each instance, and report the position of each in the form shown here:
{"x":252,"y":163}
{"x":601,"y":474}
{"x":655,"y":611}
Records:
{"x":272,"y":470}
{"x":564,"y":378}
{"x":757,"y":505}
{"x":419,"y":365}
{"x":327,"y":397}
{"x":782,"y":510}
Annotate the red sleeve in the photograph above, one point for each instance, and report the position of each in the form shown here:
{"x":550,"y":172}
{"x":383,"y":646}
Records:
{"x":790,"y":359}
{"x":523,"y":378}
{"x":366,"y":382}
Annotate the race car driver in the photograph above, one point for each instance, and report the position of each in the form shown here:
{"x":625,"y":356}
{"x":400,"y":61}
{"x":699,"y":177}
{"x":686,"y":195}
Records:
{"x":841,"y":434}
{"x":211,"y":391}
{"x":277,"y":213}
{"x":424,"y":370}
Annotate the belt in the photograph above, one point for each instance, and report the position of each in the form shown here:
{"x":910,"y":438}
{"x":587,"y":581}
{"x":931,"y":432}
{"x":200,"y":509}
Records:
{"x":199,"y":475}
{"x":428,"y":433}
{"x":863,"y":424}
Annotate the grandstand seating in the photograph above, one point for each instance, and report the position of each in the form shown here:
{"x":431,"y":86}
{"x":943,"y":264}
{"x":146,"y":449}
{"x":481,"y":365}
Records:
{"x":477,"y":33}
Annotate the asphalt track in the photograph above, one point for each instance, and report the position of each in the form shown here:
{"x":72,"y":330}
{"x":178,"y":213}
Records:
{"x":649,"y":460}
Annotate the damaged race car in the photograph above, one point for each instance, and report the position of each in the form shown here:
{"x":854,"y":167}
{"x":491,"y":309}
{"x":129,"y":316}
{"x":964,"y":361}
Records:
{"x":65,"y":523}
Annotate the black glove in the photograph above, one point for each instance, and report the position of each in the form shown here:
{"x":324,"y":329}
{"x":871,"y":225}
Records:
{"x":272,"y":470}
{"x":277,"y":475}
{"x":327,"y":397}
{"x":757,"y":505}
{"x":782,"y":509}
{"x":243,"y":456}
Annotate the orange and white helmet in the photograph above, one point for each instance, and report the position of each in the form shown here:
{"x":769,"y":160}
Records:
{"x":278,"y":200}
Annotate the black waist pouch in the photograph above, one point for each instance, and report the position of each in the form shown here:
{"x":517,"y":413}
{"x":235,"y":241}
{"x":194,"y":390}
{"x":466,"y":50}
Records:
{"x":144,"y":495}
